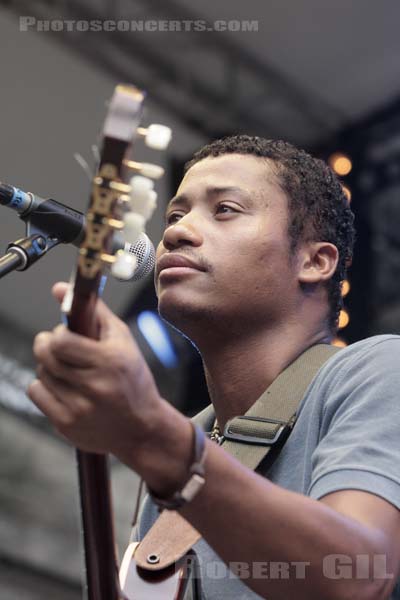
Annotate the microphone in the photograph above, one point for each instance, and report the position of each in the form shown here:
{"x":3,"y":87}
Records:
{"x":60,"y":223}
{"x":145,"y":254}
{"x":49,"y":216}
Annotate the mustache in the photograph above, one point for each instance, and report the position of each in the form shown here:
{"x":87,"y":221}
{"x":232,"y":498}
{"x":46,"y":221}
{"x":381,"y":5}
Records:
{"x":199,"y":261}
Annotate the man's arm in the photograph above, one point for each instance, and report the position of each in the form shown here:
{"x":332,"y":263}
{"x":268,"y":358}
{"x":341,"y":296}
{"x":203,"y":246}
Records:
{"x":247,"y":519}
{"x":102,"y":397}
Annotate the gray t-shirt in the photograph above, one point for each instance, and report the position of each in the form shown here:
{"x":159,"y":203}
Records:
{"x":347,"y":436}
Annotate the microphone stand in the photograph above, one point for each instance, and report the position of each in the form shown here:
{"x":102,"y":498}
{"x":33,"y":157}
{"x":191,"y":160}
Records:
{"x":42,"y":218}
{"x":23,"y":253}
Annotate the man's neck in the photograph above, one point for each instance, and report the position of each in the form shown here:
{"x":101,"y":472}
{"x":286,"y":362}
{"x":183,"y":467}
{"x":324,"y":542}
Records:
{"x":238,"y":372}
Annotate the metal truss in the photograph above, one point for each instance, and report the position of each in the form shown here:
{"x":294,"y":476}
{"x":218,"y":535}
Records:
{"x":206,"y":79}
{"x":373,"y":143}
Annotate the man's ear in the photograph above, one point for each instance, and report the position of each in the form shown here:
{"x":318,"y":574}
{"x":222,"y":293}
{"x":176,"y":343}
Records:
{"x":318,"y":261}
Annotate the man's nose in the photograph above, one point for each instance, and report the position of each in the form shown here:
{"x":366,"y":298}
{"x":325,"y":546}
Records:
{"x":186,"y":231}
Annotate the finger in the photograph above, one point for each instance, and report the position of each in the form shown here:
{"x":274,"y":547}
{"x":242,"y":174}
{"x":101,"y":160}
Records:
{"x":73,"y":349}
{"x":60,"y":369}
{"x":46,"y":402}
{"x":109,"y":324}
{"x":63,"y":393}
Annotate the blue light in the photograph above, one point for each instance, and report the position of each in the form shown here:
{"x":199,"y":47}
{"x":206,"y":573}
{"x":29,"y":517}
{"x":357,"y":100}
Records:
{"x":156,"y":335}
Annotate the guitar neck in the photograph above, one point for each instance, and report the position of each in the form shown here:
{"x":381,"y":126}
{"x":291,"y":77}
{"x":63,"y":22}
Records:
{"x":94,"y":483}
{"x":110,"y":209}
{"x":96,"y":509}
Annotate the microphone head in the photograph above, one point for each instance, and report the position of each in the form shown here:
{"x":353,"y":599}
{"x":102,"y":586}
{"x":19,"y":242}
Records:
{"x":145,"y":254}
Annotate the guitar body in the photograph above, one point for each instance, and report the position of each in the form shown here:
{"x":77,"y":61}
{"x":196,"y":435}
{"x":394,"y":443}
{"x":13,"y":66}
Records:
{"x":171,"y":583}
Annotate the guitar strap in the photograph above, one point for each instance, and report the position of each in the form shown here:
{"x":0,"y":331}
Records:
{"x":254,"y":439}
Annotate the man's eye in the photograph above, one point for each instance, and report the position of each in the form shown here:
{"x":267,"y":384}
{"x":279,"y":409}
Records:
{"x":225,"y":209}
{"x":221,"y":209}
{"x":172,"y":218}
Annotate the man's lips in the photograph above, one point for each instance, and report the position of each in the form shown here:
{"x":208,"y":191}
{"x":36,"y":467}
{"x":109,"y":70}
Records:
{"x":167,"y":261}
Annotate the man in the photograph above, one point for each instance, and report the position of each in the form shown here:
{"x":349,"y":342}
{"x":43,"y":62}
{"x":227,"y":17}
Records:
{"x":249,"y":268}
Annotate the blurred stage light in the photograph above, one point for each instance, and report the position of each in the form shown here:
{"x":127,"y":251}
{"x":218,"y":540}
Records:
{"x":340,"y":163}
{"x":156,"y":335}
{"x":344,"y":319}
{"x":339,"y":343}
{"x":347,"y":191}
{"x":345,"y":287}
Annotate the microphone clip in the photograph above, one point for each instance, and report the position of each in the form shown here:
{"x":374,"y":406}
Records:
{"x":54,"y":221}
{"x":23,"y":253}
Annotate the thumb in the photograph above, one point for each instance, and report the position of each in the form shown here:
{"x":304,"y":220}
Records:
{"x":59,"y":290}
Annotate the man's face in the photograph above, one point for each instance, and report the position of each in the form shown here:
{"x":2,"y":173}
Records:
{"x":224,"y":258}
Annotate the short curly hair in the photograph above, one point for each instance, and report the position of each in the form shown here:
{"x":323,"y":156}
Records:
{"x":318,"y":207}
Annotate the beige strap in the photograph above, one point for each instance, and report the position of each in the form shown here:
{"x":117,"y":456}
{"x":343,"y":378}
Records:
{"x":205,"y":419}
{"x":169,"y":539}
{"x":172,"y":536}
{"x":278,"y":403}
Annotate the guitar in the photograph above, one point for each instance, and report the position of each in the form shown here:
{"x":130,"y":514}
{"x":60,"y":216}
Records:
{"x":114,"y":206}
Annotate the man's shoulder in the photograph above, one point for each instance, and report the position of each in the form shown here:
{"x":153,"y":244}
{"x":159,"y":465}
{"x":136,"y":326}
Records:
{"x":382,"y":342}
{"x":373,"y":362}
{"x":371,"y":350}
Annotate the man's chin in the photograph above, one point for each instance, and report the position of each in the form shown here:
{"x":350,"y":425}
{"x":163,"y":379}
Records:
{"x":175,"y":313}
{"x":184,"y":316}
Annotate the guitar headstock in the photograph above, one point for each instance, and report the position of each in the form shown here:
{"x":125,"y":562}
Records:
{"x":115,"y":206}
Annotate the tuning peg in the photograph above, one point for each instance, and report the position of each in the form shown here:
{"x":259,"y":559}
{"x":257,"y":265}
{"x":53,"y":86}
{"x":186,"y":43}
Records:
{"x":124,"y":265}
{"x":145,"y":169}
{"x":134,"y":224}
{"x":140,"y":186}
{"x":145,"y":205}
{"x":156,"y":136}
{"x":151,"y":206}
{"x":143,"y":197}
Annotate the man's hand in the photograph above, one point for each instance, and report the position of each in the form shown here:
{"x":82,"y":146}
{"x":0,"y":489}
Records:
{"x":101,"y":395}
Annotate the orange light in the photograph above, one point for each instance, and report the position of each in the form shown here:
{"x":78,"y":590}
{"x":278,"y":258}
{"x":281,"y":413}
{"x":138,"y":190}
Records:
{"x":340,"y":163}
{"x":339,"y":343}
{"x":347,"y":192}
{"x":343,"y":319}
{"x":345,"y":287}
